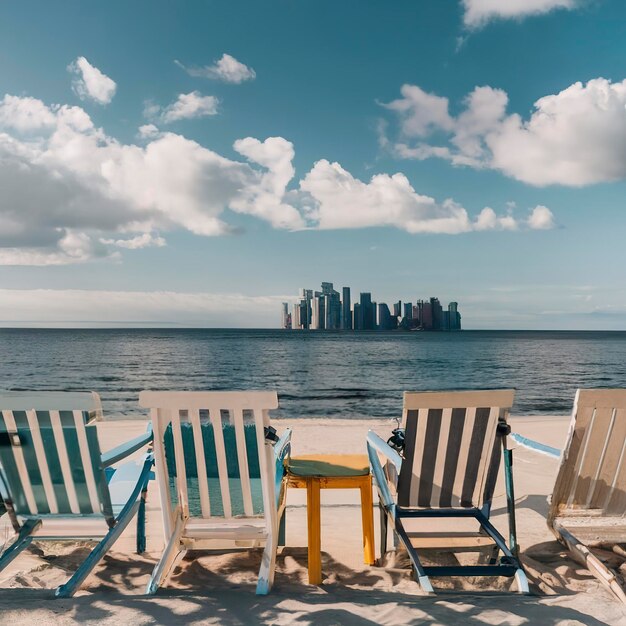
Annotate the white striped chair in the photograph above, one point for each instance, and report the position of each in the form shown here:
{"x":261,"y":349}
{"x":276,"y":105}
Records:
{"x":220,"y":477}
{"x":588,"y":503}
{"x":56,"y":484}
{"x":453,"y":445}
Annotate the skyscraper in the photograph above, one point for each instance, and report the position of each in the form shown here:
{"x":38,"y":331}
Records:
{"x":384,"y":317}
{"x":285,"y":320}
{"x":346,"y":314}
{"x":366,"y":311}
{"x":436,"y":310}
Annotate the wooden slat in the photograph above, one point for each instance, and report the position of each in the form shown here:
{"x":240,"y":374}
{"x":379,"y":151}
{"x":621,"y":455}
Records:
{"x":160,"y":420}
{"x":86,"y":457}
{"x":418,"y":455}
{"x":485,"y":456}
{"x":580,"y":461}
{"x":268,"y":468}
{"x":198,"y":442}
{"x":64,"y":460}
{"x":242,"y":458}
{"x":20,"y":463}
{"x":42,"y":461}
{"x":464,"y":451}
{"x":449,"y":540}
{"x":458,"y":399}
{"x":440,"y":463}
{"x":181,"y":471}
{"x":222,"y":468}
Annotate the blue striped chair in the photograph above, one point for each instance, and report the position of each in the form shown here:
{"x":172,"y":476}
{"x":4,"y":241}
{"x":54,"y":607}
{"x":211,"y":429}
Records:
{"x":56,"y":484}
{"x":453,"y":445}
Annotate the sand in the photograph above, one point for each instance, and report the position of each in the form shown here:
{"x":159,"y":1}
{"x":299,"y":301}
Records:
{"x":218,"y":588}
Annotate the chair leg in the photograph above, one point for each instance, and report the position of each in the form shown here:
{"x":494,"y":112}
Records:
{"x":420,"y":573}
{"x":268,"y":566}
{"x":383,"y":530}
{"x":22,"y":541}
{"x":71,"y":586}
{"x":522,"y":581}
{"x":172,"y":554}
{"x":141,"y":523}
{"x":282,"y":527}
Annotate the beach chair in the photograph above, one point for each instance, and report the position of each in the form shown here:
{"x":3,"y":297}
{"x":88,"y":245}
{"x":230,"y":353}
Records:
{"x":55,"y":483}
{"x":220,"y":474}
{"x":453,"y":442}
{"x":588,"y":502}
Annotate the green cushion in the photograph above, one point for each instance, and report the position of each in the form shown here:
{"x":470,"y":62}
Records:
{"x":330,"y":465}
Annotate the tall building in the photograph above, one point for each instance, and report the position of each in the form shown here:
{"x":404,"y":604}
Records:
{"x":397,"y":308}
{"x":346,"y":313}
{"x":384,"y":317}
{"x":436,"y":311}
{"x":426,"y":315}
{"x":408,"y":311}
{"x":286,"y":319}
{"x":454,"y":316}
{"x":318,"y":318}
{"x":356,"y":317}
{"x":366,"y":312}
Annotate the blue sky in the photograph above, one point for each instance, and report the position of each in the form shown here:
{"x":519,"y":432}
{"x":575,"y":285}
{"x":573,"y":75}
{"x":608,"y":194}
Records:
{"x":196,"y":163}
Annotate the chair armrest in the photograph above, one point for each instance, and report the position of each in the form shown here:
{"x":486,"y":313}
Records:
{"x":127,"y":448}
{"x":374,"y":445}
{"x":380,"y":445}
{"x":536,"y":446}
{"x":282,"y":448}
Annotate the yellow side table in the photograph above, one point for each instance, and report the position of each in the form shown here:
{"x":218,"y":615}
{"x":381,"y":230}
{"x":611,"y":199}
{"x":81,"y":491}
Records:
{"x":332,"y":471}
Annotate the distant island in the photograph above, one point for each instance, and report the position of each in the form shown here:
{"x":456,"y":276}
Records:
{"x":326,"y":310}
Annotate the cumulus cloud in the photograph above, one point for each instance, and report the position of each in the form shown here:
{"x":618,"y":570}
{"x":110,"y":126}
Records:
{"x":72,"y":193}
{"x":574,"y":137}
{"x":478,"y":12}
{"x":67,"y":187}
{"x":541,"y":218}
{"x":89,"y":83}
{"x":186,"y":107}
{"x":339,"y":200}
{"x":226,"y":69}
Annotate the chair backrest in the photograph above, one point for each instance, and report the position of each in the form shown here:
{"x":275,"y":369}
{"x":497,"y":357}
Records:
{"x":592,"y":473}
{"x":50,"y":457}
{"x":452,"y":452}
{"x":210,"y":451}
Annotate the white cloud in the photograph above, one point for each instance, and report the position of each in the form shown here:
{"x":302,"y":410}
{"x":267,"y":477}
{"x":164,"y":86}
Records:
{"x":99,"y":307}
{"x":488,"y":220}
{"x":146,"y":240}
{"x":71,"y":193}
{"x":479,"y":12}
{"x":541,"y":218}
{"x":226,"y":69}
{"x":147,"y":131}
{"x":341,"y":201}
{"x":68,"y":179}
{"x":89,"y":83}
{"x":189,"y":106}
{"x":572,"y":138}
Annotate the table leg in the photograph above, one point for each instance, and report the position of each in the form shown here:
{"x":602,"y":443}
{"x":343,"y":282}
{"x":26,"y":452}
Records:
{"x":314,"y":531}
{"x":367,"y":513}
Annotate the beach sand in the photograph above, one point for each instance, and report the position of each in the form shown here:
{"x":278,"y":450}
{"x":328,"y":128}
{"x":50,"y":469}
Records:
{"x":218,"y":588}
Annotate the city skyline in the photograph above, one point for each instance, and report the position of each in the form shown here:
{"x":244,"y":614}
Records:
{"x":325,"y":310}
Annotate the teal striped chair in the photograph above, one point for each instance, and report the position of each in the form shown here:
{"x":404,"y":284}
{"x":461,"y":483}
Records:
{"x":220,"y":474}
{"x":56,"y":484}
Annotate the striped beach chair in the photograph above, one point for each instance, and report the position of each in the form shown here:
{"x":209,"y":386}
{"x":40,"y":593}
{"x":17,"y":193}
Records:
{"x":588,"y":502}
{"x":452,"y":449}
{"x":56,"y":484}
{"x":220,"y":475}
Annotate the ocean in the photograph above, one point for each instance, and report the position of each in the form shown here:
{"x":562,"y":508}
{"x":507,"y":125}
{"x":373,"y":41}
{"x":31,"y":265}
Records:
{"x":316,"y":374}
